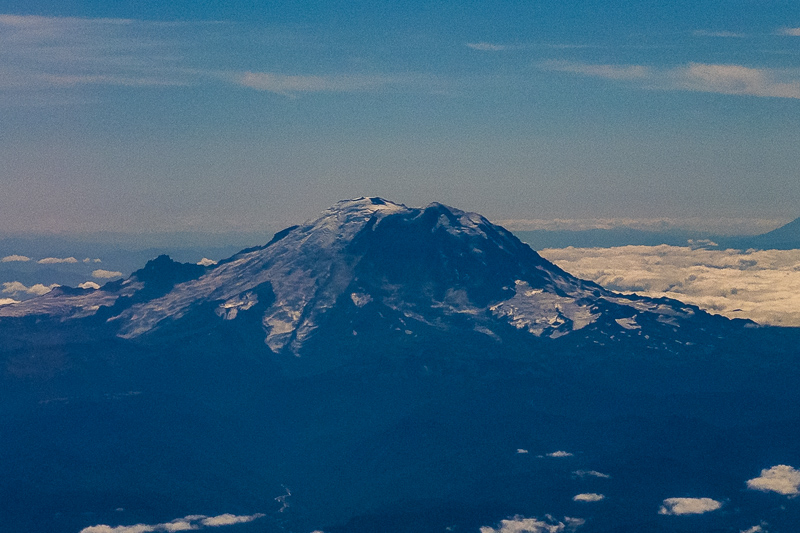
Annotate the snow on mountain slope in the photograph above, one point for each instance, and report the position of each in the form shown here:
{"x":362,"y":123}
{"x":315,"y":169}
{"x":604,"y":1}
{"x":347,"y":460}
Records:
{"x":367,"y":255}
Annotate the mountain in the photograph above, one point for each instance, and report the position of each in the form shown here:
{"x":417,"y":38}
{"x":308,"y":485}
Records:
{"x":432,"y":267}
{"x":786,"y":237}
{"x":385,"y":368}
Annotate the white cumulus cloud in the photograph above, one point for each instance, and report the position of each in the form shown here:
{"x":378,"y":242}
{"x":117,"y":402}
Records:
{"x":106,"y":274}
{"x":683,"y":506}
{"x":187,"y":523}
{"x":15,"y":287}
{"x":519,"y":524}
{"x":206,"y":262}
{"x":588,"y":497}
{"x":8,"y":301}
{"x":56,"y":260}
{"x":88,"y":285}
{"x":762,"y":285}
{"x":559,"y":453}
{"x":760,"y":528}
{"x":12,"y":258}
{"x":782,"y":479}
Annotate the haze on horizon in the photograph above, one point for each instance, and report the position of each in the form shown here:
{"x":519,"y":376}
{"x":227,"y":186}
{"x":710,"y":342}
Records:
{"x":150,"y":117}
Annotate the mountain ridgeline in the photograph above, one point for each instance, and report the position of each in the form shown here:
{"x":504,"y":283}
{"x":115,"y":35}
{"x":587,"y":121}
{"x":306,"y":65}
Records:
{"x":384,"y":368}
{"x":434,"y":268}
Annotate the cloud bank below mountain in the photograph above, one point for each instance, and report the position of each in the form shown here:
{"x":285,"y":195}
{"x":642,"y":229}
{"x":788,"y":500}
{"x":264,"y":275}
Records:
{"x":763,"y":285}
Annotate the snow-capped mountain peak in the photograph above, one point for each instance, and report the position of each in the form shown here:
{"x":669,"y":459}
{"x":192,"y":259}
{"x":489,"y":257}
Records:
{"x":412,"y":267}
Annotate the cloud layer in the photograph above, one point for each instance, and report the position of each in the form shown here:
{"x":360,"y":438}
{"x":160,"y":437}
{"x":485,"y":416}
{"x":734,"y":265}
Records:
{"x":763,"y":286}
{"x":684,"y":506}
{"x":782,"y":479}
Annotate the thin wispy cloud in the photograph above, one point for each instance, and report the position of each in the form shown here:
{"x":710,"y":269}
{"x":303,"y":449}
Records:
{"x":591,"y":473}
{"x":103,"y":79}
{"x":724,"y":34}
{"x":612,"y":72}
{"x":698,"y":77}
{"x":41,"y":53}
{"x":790,"y":32}
{"x":496,"y":47}
{"x":737,"y":79}
{"x":56,"y":52}
{"x":487,"y":47}
{"x":292,"y":84}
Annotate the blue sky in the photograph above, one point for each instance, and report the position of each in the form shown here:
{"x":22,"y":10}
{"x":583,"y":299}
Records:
{"x":144,"y":116}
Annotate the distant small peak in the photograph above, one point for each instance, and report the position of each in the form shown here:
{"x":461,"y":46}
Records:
{"x":164,"y":268}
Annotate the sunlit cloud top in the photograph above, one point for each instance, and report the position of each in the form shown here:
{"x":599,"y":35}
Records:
{"x":763,"y":286}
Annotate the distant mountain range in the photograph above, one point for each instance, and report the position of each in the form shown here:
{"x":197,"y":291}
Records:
{"x":393,"y":369}
{"x":786,"y":237}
